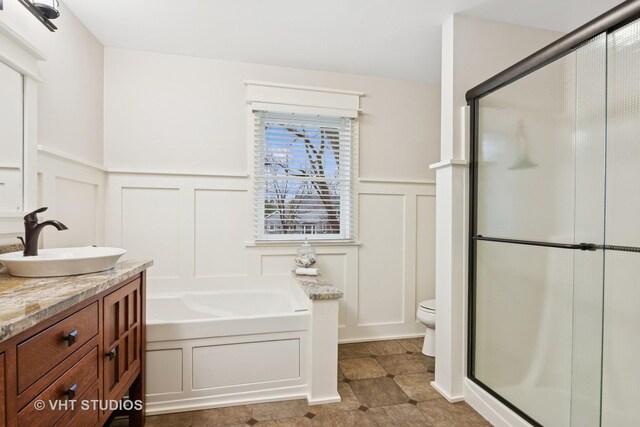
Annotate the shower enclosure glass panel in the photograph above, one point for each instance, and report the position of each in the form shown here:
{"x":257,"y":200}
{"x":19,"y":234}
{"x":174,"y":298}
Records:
{"x":540,"y":168}
{"x":621,"y":370}
{"x":525,"y":156}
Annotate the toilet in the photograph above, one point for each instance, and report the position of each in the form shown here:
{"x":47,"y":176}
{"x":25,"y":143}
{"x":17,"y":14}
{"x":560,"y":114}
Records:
{"x":427,"y":315}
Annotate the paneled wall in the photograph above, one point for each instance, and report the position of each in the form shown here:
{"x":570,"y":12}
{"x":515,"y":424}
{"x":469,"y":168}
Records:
{"x":73,"y":190}
{"x":198,"y":231}
{"x":179,"y":186}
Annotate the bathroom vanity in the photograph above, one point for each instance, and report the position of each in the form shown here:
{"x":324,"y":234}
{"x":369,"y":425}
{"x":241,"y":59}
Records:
{"x":74,"y":338}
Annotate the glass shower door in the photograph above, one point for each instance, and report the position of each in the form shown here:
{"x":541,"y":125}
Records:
{"x":621,"y":350}
{"x":539,"y":194}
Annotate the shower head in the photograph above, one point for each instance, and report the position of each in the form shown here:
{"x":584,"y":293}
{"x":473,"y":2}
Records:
{"x":523,"y":161}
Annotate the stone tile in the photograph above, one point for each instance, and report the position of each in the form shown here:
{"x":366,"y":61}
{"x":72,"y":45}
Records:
{"x":440,"y":413}
{"x":350,"y":351}
{"x":405,"y":415}
{"x":360,"y":368}
{"x":286,"y":422}
{"x":381,"y":348}
{"x":375,"y":392}
{"x":349,"y":402}
{"x":399,"y":364}
{"x":117,"y":422}
{"x":341,"y":376}
{"x":431,"y":363}
{"x":231,"y":415}
{"x":342,"y":419}
{"x":417,"y":386}
{"x":413,"y":345}
{"x":277,"y":410}
{"x":182,"y":419}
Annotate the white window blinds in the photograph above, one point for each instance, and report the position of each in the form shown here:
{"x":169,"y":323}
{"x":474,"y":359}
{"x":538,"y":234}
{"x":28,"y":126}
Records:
{"x":303,"y":176}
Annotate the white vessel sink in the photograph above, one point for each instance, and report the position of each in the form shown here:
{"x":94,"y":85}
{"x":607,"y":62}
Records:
{"x":62,"y":261}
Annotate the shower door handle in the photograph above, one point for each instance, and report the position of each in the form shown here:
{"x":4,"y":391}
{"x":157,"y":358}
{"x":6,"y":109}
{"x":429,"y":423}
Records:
{"x":574,"y":246}
{"x":619,"y":248}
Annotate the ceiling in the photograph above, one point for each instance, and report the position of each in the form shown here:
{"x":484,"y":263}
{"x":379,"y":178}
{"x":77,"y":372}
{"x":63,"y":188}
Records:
{"x":386,"y":38}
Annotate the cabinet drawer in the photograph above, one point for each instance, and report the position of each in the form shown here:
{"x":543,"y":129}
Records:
{"x":81,"y":377}
{"x":42,"y":352}
{"x":83,"y":416}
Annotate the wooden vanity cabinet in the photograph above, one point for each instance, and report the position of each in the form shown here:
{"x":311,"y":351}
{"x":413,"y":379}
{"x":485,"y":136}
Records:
{"x":90,"y":352}
{"x":3,"y":394}
{"x":121,"y":337}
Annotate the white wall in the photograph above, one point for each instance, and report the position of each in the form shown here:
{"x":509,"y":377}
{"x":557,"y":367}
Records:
{"x":479,"y":49}
{"x":188,"y":113}
{"x":70,"y":117}
{"x":182,"y":121}
{"x":70,"y":96}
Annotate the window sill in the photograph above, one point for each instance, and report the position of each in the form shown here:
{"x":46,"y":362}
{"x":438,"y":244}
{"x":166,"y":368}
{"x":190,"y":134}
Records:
{"x":296,"y":243}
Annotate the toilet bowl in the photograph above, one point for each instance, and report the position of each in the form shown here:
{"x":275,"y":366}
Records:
{"x":427,"y":315}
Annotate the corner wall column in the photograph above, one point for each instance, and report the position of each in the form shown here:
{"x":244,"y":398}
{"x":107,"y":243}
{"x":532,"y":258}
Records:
{"x":451,"y":233}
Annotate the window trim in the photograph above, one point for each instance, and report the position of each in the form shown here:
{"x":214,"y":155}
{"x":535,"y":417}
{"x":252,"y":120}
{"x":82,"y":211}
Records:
{"x":285,"y":98}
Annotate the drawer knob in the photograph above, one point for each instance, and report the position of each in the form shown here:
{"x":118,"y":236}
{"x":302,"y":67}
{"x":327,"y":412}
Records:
{"x":71,"y":392}
{"x":71,"y":337}
{"x":112,"y":353}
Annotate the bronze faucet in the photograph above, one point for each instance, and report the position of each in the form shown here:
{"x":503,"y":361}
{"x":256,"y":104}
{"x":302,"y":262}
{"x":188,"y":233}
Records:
{"x":32,"y":231}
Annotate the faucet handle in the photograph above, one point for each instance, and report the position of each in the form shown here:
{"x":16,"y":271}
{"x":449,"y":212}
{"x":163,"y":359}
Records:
{"x":22,"y":240}
{"x":33,"y":216}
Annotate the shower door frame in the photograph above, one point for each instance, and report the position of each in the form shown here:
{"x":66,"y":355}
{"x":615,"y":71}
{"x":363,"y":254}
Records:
{"x":615,"y":18}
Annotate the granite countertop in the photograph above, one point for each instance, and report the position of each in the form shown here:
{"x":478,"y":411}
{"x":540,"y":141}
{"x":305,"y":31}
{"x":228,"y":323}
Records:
{"x":25,"y":302}
{"x":316,"y":287}
{"x":10,"y":247}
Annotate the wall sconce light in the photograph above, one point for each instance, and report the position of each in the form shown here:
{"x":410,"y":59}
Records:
{"x":48,"y":8}
{"x":43,"y":10}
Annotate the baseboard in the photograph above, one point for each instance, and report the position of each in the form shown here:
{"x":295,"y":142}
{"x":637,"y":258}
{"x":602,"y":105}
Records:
{"x":490,"y":408}
{"x":324,"y":400}
{"x":348,"y":334}
{"x":451,"y":399}
{"x":209,"y":402}
{"x":380,"y":338}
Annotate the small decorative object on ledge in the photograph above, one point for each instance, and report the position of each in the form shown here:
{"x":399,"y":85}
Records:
{"x":306,"y":271}
{"x":305,"y":259}
{"x":44,"y":11}
{"x":306,"y":255}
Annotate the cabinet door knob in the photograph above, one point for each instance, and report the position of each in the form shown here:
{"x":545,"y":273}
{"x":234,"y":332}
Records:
{"x":112,"y":353}
{"x":71,"y":391}
{"x":71,"y":337}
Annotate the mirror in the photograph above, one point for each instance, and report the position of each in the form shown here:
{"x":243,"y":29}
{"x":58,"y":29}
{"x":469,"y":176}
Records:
{"x":11,"y":140}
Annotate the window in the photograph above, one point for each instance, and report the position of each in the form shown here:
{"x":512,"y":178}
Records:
{"x":303,"y":176}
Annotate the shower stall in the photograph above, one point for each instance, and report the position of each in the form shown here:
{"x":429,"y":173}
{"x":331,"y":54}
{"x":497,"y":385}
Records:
{"x":554,"y":284}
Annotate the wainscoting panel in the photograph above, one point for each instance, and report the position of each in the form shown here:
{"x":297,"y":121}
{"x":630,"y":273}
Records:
{"x":381,"y":272}
{"x":276,"y":264}
{"x":425,"y":248}
{"x":151,"y":228}
{"x":74,"y":193}
{"x":77,"y":203}
{"x":197,"y":228}
{"x":220,"y":232}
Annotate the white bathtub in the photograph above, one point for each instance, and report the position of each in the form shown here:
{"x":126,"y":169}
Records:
{"x":229,"y":346}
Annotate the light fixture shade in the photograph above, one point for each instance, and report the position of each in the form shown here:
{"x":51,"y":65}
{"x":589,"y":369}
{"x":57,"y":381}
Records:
{"x":48,"y":8}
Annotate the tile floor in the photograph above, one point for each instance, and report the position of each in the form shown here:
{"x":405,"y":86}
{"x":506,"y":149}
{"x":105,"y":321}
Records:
{"x":382,"y":383}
